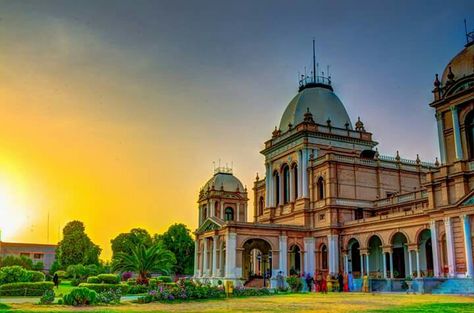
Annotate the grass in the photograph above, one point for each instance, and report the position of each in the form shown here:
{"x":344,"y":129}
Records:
{"x":64,"y":288}
{"x":300,"y":303}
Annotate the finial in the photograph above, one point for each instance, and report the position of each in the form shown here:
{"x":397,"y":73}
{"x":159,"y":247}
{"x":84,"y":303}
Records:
{"x":275,"y":133}
{"x":418,"y":159}
{"x":347,"y":125}
{"x":222,"y":186}
{"x":376,"y":153}
{"x":450,"y":76}
{"x":359,"y":125}
{"x":308,"y":117}
{"x":329,"y":122}
{"x":397,"y":157}
{"x":257,"y":178}
{"x":290,"y":126}
{"x":436,"y":162}
{"x":437,"y":83}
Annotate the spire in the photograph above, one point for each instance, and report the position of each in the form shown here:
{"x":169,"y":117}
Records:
{"x":314,"y":61}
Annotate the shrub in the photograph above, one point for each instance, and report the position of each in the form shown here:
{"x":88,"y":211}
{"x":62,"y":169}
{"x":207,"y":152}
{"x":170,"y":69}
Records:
{"x":12,"y":260}
{"x":247,"y":292}
{"x":14,"y":274}
{"x":60,"y":302}
{"x":106,"y":287}
{"x":133,"y":282}
{"x":109,"y":278}
{"x":25,"y":289}
{"x":36,"y":276}
{"x":137,"y":289}
{"x":126,"y":276}
{"x":38,"y":266}
{"x":61,"y":274}
{"x":80,"y":296}
{"x":93,"y":280}
{"x":294,"y":282}
{"x":48,"y":297}
{"x":75,"y":282}
{"x":164,"y":279}
{"x":109,"y":296}
{"x":183,"y":290}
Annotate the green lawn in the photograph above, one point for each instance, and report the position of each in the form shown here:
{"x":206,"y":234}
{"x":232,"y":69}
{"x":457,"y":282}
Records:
{"x":300,"y":303}
{"x":64,"y":288}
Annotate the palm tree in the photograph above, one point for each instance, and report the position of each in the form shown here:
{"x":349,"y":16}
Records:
{"x":144,"y":261}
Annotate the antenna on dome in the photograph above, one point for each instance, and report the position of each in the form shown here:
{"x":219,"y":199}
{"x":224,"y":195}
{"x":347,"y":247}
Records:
{"x":469,"y":35}
{"x":314,"y":62}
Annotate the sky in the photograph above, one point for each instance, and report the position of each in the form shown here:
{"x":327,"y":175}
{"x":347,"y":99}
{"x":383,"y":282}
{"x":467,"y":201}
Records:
{"x":112,"y":112}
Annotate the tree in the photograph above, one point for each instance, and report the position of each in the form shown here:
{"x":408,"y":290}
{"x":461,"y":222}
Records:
{"x":144,"y":261}
{"x":11,"y":260}
{"x":76,"y":247}
{"x":125,"y":241}
{"x":178,"y":240}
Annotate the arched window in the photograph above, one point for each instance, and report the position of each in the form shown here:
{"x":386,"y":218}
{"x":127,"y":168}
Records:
{"x":286,"y":184}
{"x":469,"y":126}
{"x":320,"y":186}
{"x":260,"y":206}
{"x":276,"y":189}
{"x":295,"y":181}
{"x":229,"y":214}
{"x":324,"y":257}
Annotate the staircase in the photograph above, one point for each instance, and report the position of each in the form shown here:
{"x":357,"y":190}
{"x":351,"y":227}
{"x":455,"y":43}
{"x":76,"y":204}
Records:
{"x":254,"y":283}
{"x":455,"y":286}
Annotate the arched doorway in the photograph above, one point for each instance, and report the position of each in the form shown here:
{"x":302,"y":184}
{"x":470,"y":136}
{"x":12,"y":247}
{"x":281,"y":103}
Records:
{"x":354,"y":257}
{"x":229,"y":214}
{"x":324,"y":258}
{"x":295,"y":260}
{"x":375,"y":257}
{"x":257,"y":255}
{"x":400,"y":255}
{"x":425,"y":251}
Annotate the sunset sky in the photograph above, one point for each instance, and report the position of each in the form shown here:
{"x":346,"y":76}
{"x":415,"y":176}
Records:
{"x":112,"y":112}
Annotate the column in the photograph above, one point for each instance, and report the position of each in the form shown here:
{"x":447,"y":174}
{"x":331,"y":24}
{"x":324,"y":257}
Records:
{"x":300,"y":173}
{"x":466,"y":223}
{"x":204,"y":260}
{"x":434,"y":246}
{"x":283,"y":255}
{"x":333,"y":254}
{"x":361,"y":265}
{"x":305,"y":174}
{"x":268,"y":180}
{"x":442,"y":146}
{"x":457,"y":132}
{"x":368,"y":268}
{"x":221,"y":203}
{"x":385,"y":265}
{"x":214,"y":256}
{"x":410,"y":268}
{"x":212,"y":209}
{"x":292,"y":186}
{"x":309,"y":255}
{"x":196,"y":251}
{"x":346,"y":263}
{"x":449,"y":246}
{"x":230,"y":251}
{"x":237,"y":216}
{"x":282,"y":188}
{"x":391,"y":264}
{"x":418,"y":263}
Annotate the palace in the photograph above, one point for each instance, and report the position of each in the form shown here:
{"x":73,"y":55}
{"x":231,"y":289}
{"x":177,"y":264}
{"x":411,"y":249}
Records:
{"x":330,"y":203}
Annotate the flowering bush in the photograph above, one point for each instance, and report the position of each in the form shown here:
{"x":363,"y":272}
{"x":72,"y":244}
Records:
{"x":109,"y":296}
{"x":126,"y":276}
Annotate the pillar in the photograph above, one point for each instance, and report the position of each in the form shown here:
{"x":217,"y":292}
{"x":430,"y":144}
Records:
{"x":283,"y":255}
{"x":346,"y":263}
{"x":418,"y":263}
{"x":410,"y":264}
{"x":300,"y":173}
{"x":230,"y":252}
{"x":368,"y":268}
{"x":333,"y":254}
{"x":466,"y":223}
{"x":282,"y":188}
{"x":292,"y":186}
{"x":305,"y":173}
{"x":268,"y":182}
{"x":457,"y":133}
{"x":361,"y":265}
{"x":196,"y":251}
{"x":221,"y":203}
{"x":212,"y":209}
{"x":214,"y":256}
{"x":384,"y":265}
{"x":434,"y":246}
{"x":391,"y":264}
{"x":204,"y":259}
{"x":442,"y":146}
{"x":450,"y":246}
{"x":309,"y":255}
{"x":237,"y":216}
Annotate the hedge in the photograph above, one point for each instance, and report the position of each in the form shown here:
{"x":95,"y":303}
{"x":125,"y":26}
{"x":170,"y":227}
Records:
{"x":164,"y":279}
{"x":106,"y":287}
{"x":93,"y":280}
{"x":109,"y":278}
{"x":80,"y":296}
{"x":26,"y":289}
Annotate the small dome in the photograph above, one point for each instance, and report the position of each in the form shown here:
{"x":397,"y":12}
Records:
{"x":323,"y":104}
{"x":225,"y":180}
{"x":461,"y":65}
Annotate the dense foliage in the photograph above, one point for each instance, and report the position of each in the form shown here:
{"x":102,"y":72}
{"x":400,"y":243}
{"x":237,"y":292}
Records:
{"x":76,"y":247}
{"x":183,"y":290}
{"x":17,"y":274}
{"x":126,"y":241}
{"x":12,"y":260}
{"x":105,"y":287}
{"x":144,"y":261}
{"x":48,"y":297}
{"x":295,"y":283}
{"x":25,"y":289}
{"x":178,"y":240}
{"x":80,"y":296}
{"x":247,"y":292}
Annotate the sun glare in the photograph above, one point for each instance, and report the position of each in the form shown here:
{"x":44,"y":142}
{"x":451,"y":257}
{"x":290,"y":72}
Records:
{"x":12,"y":214}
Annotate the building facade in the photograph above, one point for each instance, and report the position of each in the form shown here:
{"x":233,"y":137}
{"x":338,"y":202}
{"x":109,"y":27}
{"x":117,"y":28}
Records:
{"x":330,"y":203}
{"x":45,"y":253}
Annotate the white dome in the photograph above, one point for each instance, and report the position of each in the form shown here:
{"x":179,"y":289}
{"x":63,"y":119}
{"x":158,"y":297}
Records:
{"x":227,"y":181}
{"x":323,"y":105}
{"x":461,"y":65}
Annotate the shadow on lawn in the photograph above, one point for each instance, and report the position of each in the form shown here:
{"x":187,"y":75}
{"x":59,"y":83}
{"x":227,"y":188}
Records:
{"x":429,"y":308}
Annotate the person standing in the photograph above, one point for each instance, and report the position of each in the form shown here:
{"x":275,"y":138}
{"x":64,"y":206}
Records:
{"x":340,"y":281}
{"x":56,"y":280}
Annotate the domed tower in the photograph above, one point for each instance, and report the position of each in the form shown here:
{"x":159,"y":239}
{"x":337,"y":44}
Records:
{"x":454,"y":105}
{"x":223,"y":198}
